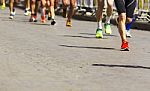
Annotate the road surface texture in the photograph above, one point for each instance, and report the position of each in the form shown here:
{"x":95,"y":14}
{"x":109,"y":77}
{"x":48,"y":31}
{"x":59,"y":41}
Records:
{"x":42,"y":57}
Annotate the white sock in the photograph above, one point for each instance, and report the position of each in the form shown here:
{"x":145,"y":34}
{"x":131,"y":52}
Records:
{"x":108,"y":19}
{"x":99,"y":24}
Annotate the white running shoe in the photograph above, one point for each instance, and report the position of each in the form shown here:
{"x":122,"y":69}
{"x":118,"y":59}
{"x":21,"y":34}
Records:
{"x":12,"y":14}
{"x":27,"y":12}
{"x":128,"y":34}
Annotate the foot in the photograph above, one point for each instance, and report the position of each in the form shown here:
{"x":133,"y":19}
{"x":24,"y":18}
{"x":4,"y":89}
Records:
{"x":27,"y":12}
{"x":68,"y":23}
{"x":99,"y":33}
{"x":12,"y":14}
{"x":53,"y":22}
{"x":33,"y":18}
{"x":49,"y":18}
{"x":107,"y":28}
{"x":3,"y":6}
{"x":128,"y":34}
{"x":43,"y":19}
{"x":124,"y":46}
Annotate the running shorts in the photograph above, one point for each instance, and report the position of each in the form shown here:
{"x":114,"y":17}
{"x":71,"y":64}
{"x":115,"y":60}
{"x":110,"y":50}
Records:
{"x":126,"y":6}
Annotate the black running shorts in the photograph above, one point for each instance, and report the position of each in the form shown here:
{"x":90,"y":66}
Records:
{"x":126,"y":6}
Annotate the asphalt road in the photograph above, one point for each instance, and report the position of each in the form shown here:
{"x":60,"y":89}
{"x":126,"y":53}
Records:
{"x":42,"y":57}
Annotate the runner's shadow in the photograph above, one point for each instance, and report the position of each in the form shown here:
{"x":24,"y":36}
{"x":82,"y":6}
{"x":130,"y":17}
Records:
{"x":15,"y":20}
{"x":9,"y":13}
{"x":87,"y":33}
{"x":94,"y":34}
{"x":79,"y":36}
{"x":85,"y":47}
{"x":110,"y":35}
{"x":41,"y":24}
{"x":121,"y":66}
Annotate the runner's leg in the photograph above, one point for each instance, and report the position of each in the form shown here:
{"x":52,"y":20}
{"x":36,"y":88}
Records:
{"x":99,"y":32}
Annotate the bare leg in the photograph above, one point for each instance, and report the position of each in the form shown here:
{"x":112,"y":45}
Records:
{"x":71,"y":10}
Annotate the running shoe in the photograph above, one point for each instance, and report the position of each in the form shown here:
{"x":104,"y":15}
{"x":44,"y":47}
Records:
{"x":107,"y":28}
{"x":12,"y":14}
{"x":128,"y":34}
{"x":43,"y":19}
{"x":49,"y":18}
{"x":64,"y":14}
{"x":124,"y":46}
{"x":53,"y":22}
{"x":27,"y":12}
{"x":99,"y":33}
{"x":33,"y":18}
{"x":68,"y":23}
{"x":3,"y":6}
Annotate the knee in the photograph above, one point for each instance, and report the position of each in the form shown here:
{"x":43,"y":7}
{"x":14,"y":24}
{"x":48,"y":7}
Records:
{"x":122,"y":16}
{"x":47,"y":3}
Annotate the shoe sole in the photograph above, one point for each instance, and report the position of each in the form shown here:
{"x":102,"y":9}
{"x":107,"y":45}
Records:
{"x":126,"y":49}
{"x":99,"y":35}
{"x":27,"y":14}
{"x":53,"y":23}
{"x":107,"y":32}
{"x":43,"y":21}
{"x":129,"y":36}
{"x":69,"y":25}
{"x":11,"y":17}
{"x":3,"y":8}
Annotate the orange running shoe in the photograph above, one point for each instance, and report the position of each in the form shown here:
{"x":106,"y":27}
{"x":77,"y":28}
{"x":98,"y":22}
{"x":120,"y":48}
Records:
{"x":43,"y":19}
{"x":68,"y":23}
{"x":124,"y":46}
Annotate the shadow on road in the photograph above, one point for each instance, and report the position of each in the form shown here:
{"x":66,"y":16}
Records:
{"x":106,"y":48}
{"x":87,"y":33}
{"x":94,"y":34}
{"x":41,"y":24}
{"x":121,"y":66}
{"x":78,"y":36}
{"x":14,"y":20}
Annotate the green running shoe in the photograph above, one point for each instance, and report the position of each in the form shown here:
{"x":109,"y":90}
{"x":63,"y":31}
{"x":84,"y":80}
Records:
{"x":107,"y":28}
{"x":99,"y":33}
{"x":3,"y":6}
